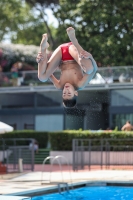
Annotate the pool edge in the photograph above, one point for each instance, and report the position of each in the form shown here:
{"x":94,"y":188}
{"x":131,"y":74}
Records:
{"x":52,"y":189}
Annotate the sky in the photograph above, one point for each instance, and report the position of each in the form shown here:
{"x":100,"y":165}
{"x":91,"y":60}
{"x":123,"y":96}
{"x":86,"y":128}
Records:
{"x":51,"y":18}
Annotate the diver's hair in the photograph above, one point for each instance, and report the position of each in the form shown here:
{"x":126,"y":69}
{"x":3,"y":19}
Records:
{"x":70,"y":103}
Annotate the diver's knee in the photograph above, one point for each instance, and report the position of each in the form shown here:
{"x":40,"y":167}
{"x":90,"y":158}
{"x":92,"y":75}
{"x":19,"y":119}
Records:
{"x":42,"y":77}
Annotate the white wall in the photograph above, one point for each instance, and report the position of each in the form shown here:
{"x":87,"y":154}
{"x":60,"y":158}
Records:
{"x":114,"y":157}
{"x":49,"y":122}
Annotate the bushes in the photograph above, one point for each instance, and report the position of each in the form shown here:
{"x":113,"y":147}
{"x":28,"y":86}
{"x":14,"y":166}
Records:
{"x":41,"y":137}
{"x":62,"y":140}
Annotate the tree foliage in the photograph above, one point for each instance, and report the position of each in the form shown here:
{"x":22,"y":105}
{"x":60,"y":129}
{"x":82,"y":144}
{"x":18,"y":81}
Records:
{"x":20,"y":23}
{"x":103,"y":27}
{"x":14,"y":15}
{"x":31,"y":35}
{"x":40,"y":6}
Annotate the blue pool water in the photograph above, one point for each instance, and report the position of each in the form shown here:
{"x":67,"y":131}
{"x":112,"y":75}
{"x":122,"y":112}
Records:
{"x":92,"y":193}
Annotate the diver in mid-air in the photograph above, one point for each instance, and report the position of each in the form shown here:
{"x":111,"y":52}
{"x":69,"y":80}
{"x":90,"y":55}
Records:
{"x":77,"y":67}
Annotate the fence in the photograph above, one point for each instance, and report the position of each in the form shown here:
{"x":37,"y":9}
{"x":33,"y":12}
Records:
{"x":22,"y":78}
{"x":12,"y":150}
{"x":29,"y":78}
{"x":102,"y":152}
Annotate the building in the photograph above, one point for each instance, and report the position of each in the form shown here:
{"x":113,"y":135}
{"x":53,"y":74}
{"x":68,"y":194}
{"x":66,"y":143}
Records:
{"x":99,"y":106}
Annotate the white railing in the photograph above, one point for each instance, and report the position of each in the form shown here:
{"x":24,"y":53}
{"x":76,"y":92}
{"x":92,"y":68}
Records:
{"x":104,"y":75}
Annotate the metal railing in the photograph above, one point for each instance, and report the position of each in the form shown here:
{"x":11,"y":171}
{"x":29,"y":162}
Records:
{"x":102,"y":152}
{"x":29,"y":78}
{"x":58,"y":159}
{"x":22,"y":78}
{"x":12,"y":150}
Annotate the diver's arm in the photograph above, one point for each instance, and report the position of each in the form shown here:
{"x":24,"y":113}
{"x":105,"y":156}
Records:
{"x":55,"y":81}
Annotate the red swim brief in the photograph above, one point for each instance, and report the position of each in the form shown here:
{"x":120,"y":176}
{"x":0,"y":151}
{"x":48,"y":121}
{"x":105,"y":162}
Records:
{"x":65,"y":51}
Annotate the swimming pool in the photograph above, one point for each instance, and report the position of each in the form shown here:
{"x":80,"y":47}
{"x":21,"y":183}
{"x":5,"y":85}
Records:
{"x":92,"y":193}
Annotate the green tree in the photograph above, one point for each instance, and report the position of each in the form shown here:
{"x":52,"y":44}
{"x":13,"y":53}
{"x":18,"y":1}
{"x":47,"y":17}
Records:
{"x":103,"y":27}
{"x":31,"y":35}
{"x":40,"y":6}
{"x":21,"y":23}
{"x":14,"y":15}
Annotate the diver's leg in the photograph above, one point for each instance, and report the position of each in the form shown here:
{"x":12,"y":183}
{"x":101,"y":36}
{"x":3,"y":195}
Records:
{"x":46,"y":68}
{"x":42,"y":56}
{"x":83,"y":58}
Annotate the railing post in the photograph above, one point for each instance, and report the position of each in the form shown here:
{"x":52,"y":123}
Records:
{"x":101,"y":153}
{"x":89,"y":154}
{"x":32,"y":156}
{"x":15,"y":153}
{"x":73,"y":149}
{"x":3,"y":148}
{"x":107,"y":154}
{"x":82,"y":154}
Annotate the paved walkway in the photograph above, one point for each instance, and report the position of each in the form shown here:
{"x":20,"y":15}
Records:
{"x":26,"y":183}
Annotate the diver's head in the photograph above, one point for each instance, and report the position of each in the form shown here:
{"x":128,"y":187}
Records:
{"x":69,"y":95}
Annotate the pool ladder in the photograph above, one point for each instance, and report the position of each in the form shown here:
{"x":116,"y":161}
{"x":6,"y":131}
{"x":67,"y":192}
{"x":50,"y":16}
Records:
{"x":62,"y":186}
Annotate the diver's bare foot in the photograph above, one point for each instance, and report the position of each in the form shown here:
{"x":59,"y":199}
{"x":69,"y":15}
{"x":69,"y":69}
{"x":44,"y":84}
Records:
{"x":71,"y":35}
{"x":44,"y":44}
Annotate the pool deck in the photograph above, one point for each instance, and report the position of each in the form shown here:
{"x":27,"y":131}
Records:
{"x":28,"y":183}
